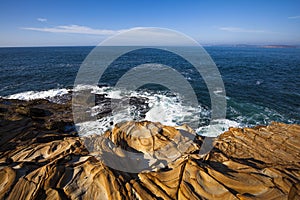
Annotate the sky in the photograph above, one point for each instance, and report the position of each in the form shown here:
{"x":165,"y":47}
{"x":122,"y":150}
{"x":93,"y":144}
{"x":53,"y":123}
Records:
{"x":84,"y":23}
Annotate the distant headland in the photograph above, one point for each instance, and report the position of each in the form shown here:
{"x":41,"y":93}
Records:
{"x":279,"y":46}
{"x":257,"y":46}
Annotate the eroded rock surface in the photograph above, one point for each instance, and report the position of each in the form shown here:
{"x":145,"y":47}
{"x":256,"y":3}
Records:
{"x":42,"y":157}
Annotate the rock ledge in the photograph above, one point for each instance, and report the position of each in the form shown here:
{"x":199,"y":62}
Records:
{"x":41,"y":157}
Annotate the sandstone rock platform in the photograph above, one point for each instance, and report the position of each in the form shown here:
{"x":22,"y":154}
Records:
{"x":42,"y":157}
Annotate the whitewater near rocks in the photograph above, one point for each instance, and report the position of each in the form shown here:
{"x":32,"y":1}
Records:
{"x":158,"y":106}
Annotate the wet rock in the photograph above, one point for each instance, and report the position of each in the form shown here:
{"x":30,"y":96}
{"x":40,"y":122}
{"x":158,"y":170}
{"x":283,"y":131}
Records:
{"x":38,"y":112}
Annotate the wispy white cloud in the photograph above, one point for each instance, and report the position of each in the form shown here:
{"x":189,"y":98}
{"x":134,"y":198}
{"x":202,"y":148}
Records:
{"x":41,"y":19}
{"x":240,"y":30}
{"x":294,"y":17}
{"x":74,"y":29}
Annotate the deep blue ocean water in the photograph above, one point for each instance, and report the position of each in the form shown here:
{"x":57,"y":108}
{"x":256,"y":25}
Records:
{"x":262,"y":84}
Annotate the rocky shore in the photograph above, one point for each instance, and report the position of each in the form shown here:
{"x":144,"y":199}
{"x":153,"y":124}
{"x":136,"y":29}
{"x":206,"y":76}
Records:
{"x":42,"y":157}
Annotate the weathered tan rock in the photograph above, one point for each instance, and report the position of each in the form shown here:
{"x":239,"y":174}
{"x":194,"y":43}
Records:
{"x":141,"y":146}
{"x":43,"y":161}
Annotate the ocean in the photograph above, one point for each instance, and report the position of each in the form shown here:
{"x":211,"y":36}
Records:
{"x":262,"y":84}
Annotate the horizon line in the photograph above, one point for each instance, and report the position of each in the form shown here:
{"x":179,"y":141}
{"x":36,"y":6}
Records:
{"x":207,"y":44}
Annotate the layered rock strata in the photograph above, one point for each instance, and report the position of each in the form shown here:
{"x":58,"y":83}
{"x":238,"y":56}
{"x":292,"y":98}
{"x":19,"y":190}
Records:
{"x":42,"y":157}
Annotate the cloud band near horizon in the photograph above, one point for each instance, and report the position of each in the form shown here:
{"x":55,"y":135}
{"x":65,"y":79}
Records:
{"x":240,"y":30}
{"x":74,"y":29}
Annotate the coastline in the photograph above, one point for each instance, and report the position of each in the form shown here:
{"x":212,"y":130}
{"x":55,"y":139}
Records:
{"x":43,"y":157}
{"x":150,"y":100}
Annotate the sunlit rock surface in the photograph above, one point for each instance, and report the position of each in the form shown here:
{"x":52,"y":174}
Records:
{"x":42,"y":157}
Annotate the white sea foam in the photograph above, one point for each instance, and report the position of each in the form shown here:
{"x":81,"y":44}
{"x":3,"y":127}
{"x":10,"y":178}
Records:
{"x":163,"y":108}
{"x":30,"y":95}
{"x":170,"y":110}
{"x":216,"y":127}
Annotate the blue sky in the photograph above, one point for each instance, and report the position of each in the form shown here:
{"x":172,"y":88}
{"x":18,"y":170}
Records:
{"x":59,"y":23}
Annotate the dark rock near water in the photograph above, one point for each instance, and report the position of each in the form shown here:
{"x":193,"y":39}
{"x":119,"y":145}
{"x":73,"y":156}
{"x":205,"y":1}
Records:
{"x":38,"y":112}
{"x":106,"y":105}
